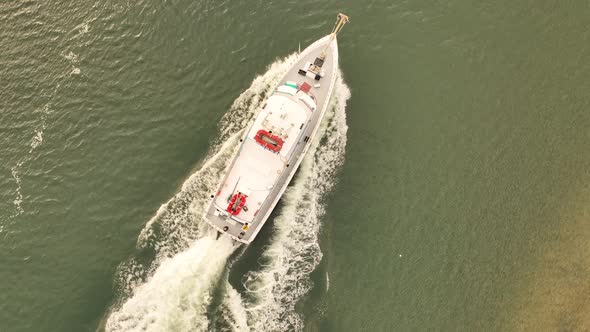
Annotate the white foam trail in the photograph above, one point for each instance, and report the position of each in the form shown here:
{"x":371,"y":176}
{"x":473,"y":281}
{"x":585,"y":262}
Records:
{"x":74,"y":61}
{"x":72,"y":57}
{"x":37,"y":138}
{"x":16,"y":170}
{"x":177,"y":295}
{"x":82,"y":28}
{"x":294,"y":251}
{"x":18,"y":200}
{"x":238,"y":318}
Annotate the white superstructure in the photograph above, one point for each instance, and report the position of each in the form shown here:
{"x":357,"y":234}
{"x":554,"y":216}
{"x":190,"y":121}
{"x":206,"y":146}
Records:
{"x":273,"y":147}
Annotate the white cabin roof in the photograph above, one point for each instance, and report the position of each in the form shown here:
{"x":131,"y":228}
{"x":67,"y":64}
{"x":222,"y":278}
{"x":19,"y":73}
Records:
{"x":256,"y":168}
{"x":283,"y":116}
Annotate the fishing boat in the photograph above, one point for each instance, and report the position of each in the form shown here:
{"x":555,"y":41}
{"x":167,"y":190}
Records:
{"x":272,"y":148}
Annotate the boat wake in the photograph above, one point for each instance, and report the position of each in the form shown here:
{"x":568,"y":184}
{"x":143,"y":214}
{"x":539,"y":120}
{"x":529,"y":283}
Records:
{"x":180,"y":271}
{"x":178,"y":294}
{"x":294,"y":251}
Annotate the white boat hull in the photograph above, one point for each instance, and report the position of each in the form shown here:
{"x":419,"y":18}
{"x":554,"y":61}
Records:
{"x":263,"y":167}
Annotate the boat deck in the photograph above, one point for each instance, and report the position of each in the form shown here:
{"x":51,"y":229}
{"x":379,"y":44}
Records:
{"x":263,"y":175}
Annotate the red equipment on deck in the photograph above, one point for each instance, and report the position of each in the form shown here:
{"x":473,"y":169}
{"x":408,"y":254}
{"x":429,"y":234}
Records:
{"x":268,"y":140}
{"x":305,"y":87}
{"x":236,"y":204}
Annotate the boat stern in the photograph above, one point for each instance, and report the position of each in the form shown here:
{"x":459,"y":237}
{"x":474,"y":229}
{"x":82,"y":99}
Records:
{"x":223,"y":222}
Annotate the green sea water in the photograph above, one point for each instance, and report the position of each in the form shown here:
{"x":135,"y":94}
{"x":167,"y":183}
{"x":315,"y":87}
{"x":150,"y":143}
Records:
{"x":450,"y":189}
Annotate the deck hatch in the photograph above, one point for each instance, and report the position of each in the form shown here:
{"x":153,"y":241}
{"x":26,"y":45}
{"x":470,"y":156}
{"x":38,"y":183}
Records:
{"x":305,"y":87}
